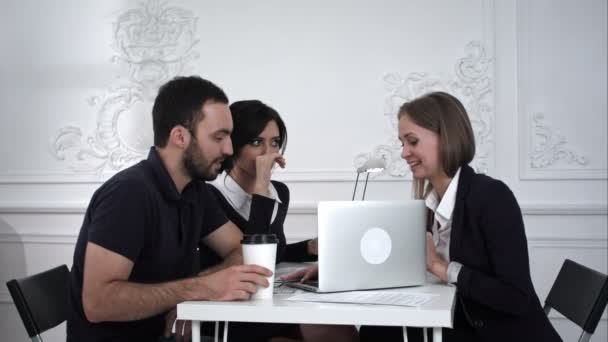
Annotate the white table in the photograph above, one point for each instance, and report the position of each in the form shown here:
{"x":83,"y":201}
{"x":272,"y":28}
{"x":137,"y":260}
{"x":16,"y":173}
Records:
{"x":436,"y":314}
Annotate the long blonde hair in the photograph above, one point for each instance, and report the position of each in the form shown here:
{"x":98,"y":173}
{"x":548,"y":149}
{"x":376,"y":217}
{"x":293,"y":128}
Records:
{"x":421,"y":188}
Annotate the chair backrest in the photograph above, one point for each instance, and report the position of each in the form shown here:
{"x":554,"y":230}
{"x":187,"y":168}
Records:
{"x":580,"y":294}
{"x":41,"y":299}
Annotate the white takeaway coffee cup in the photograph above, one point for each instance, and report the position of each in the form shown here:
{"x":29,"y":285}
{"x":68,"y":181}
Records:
{"x":261,"y":249}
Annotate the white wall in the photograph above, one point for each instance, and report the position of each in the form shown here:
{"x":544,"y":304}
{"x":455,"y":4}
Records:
{"x":77,"y":80}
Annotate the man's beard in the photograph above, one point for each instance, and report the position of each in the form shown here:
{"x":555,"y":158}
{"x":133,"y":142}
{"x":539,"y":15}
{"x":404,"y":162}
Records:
{"x":196,"y":165}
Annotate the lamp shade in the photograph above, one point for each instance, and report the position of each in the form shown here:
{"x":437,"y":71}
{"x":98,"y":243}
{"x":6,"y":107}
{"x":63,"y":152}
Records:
{"x":373,"y":164}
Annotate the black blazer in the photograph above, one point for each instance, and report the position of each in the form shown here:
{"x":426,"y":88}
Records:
{"x":260,"y":222}
{"x":495,"y":296}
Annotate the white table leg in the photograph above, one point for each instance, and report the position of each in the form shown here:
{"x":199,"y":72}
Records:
{"x":217,"y":331}
{"x":196,"y":331}
{"x":437,"y":334}
{"x":405,"y":334}
{"x":225,"y":331}
{"x":425,"y":334}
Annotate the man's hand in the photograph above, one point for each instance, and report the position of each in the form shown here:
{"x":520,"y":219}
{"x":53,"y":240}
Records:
{"x":263,"y":171}
{"x":302,"y":275}
{"x":232,"y":283}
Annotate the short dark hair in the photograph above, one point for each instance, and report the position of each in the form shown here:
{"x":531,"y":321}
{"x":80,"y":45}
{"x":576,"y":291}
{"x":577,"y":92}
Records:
{"x":249,"y":118}
{"x":445,"y":115}
{"x":180,"y":102}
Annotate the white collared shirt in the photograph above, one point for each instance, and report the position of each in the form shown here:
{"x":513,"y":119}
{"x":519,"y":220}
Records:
{"x":442,"y":223}
{"x":239,"y":199}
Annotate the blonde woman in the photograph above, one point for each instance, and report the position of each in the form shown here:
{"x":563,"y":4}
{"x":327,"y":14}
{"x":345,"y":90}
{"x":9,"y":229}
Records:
{"x":478,"y":241}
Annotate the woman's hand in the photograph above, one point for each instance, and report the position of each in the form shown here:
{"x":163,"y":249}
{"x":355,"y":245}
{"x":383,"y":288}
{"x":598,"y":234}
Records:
{"x":312,"y":247}
{"x":434,"y":263}
{"x":183,"y":329}
{"x":263,"y":171}
{"x":302,"y":275}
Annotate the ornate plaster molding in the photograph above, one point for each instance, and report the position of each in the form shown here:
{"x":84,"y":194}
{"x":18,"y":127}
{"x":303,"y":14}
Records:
{"x":472,"y":83}
{"x":550,"y":147}
{"x":153,"y":42}
{"x":544,"y":152}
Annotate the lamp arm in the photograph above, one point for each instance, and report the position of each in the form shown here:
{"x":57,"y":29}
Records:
{"x":355,"y":190}
{"x":365,"y":187}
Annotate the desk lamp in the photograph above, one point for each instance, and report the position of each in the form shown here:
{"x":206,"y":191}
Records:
{"x":372,"y":165}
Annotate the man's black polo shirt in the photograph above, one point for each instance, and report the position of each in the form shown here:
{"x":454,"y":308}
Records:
{"x":138,"y":213}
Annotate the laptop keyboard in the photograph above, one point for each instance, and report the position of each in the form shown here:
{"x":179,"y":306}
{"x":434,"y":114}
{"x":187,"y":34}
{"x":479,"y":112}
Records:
{"x":312,"y":286}
{"x":281,"y":288}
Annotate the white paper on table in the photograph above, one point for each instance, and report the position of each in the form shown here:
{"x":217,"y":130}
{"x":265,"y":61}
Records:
{"x":367,"y":297}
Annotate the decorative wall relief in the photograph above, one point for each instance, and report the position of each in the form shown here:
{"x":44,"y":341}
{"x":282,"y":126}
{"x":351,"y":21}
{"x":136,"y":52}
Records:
{"x":550,"y":147}
{"x":153,"y":42}
{"x":547,"y":152}
{"x":471,"y":83}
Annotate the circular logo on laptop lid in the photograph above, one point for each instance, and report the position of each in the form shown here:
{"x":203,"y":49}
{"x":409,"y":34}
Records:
{"x":375,"y":246}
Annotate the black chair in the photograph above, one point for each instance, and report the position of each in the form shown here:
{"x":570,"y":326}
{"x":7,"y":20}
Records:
{"x":580,"y":294}
{"x":41,"y":299}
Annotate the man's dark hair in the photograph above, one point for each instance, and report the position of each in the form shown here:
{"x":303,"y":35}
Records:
{"x":249,"y":118}
{"x":180,"y":102}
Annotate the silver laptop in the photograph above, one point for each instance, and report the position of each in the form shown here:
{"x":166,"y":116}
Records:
{"x":370,"y":245}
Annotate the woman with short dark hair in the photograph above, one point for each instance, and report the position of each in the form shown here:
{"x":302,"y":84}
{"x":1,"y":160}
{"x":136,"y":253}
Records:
{"x":257,"y":204}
